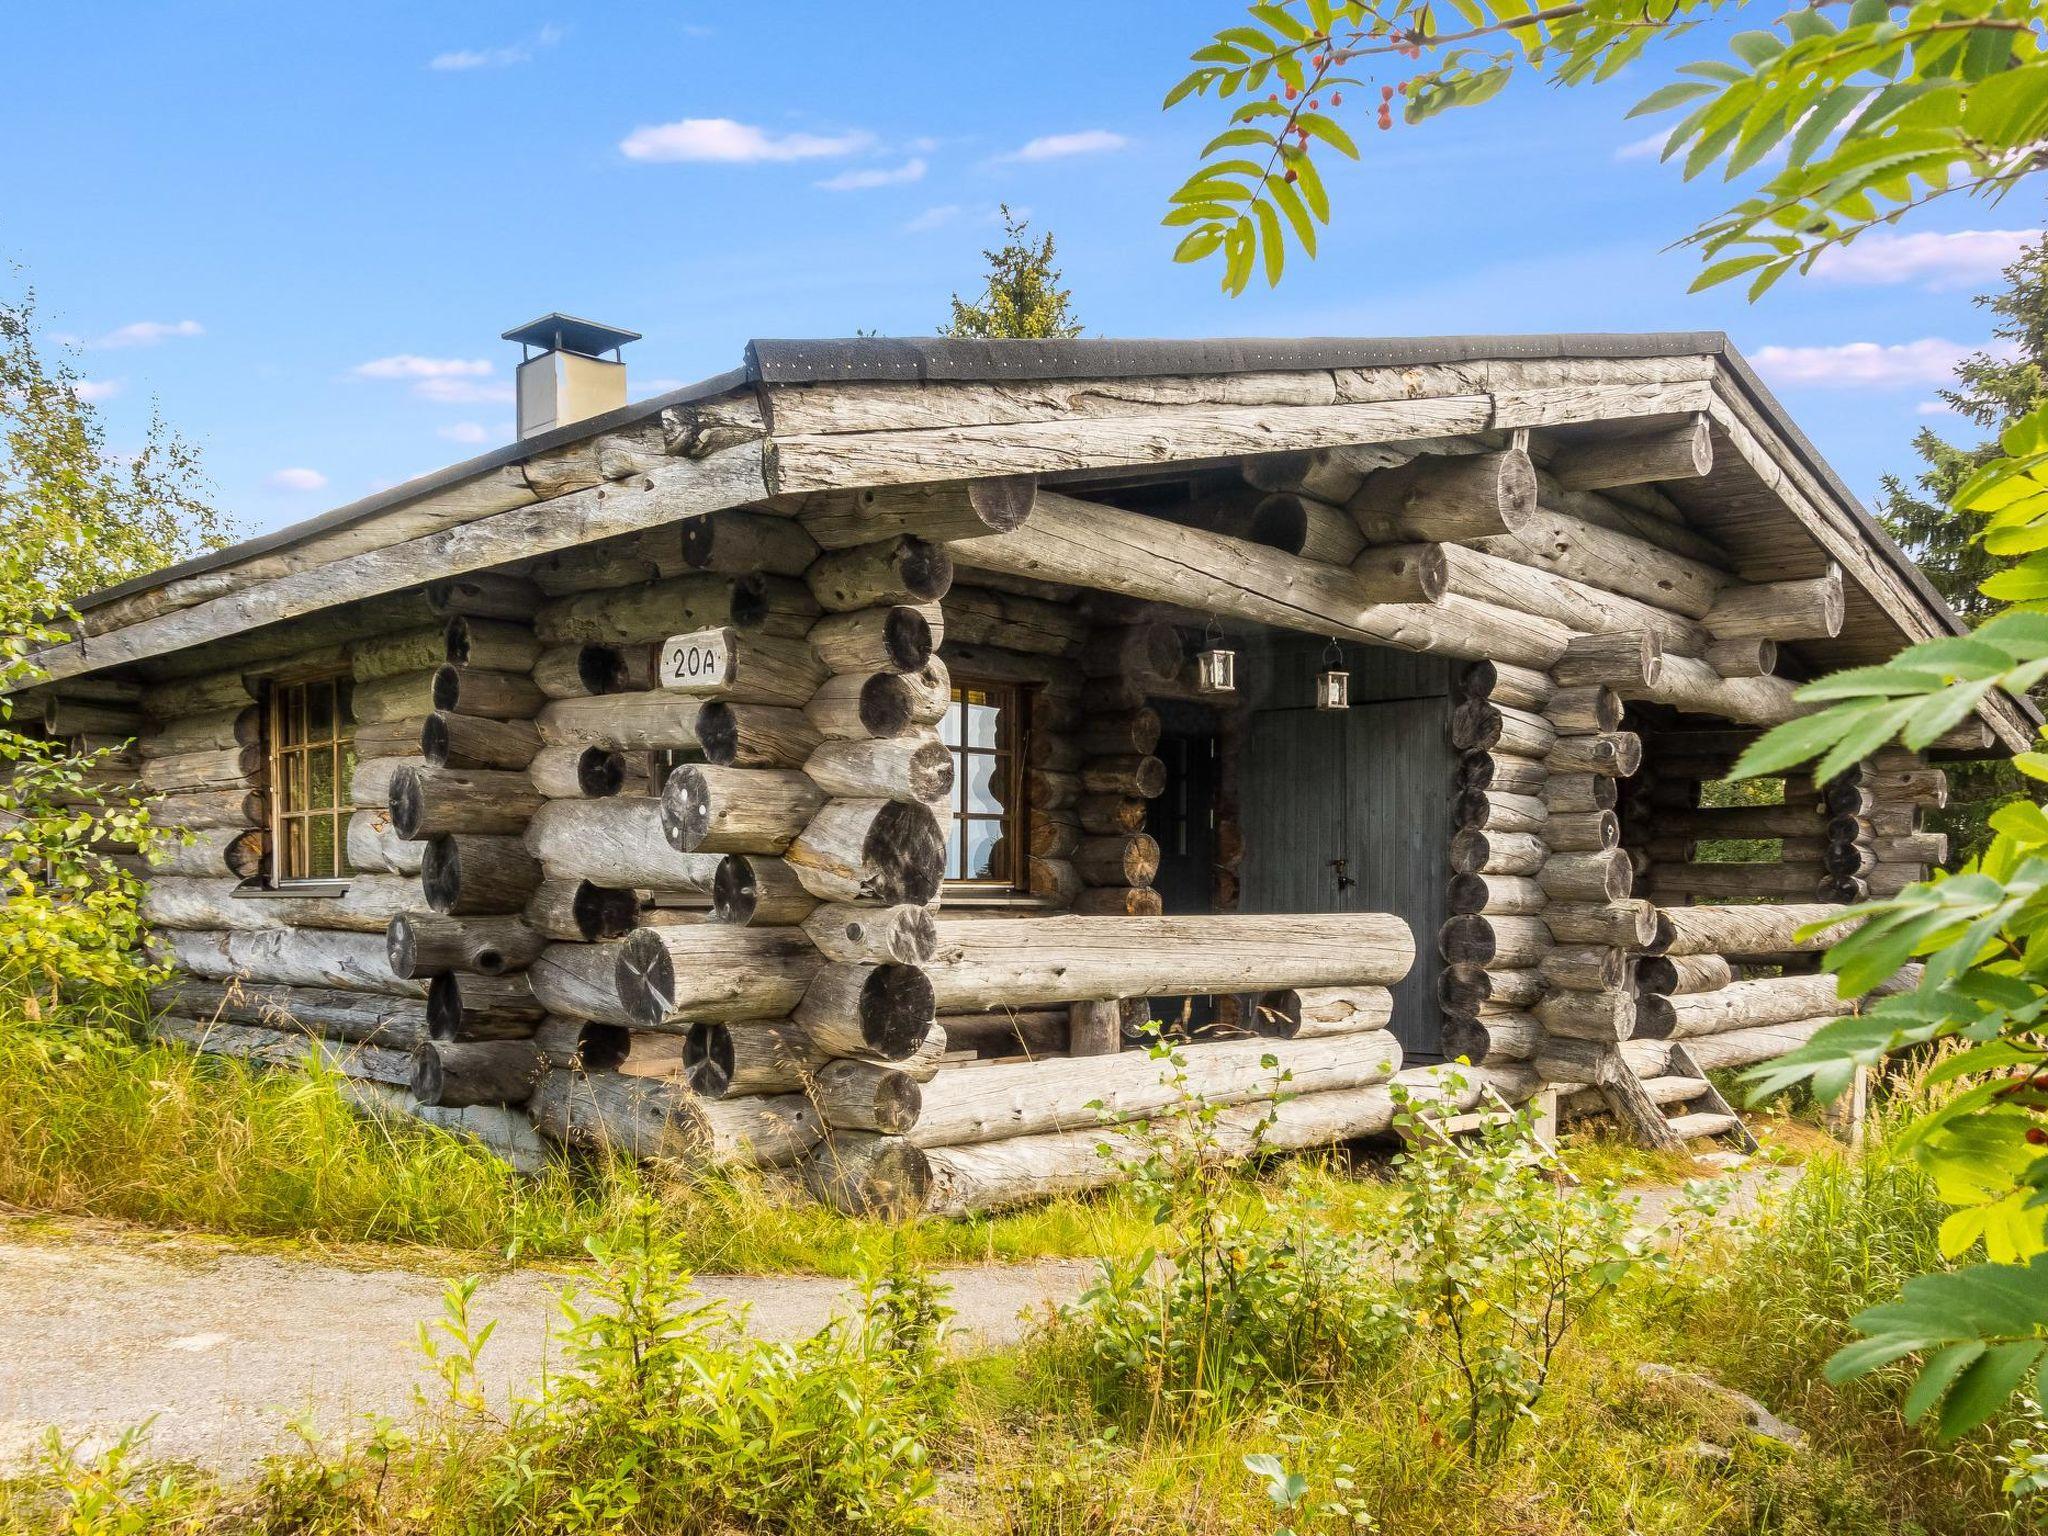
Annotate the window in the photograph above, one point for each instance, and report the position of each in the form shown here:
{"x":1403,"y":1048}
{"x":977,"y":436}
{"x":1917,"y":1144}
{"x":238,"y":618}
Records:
{"x":312,"y":758}
{"x":984,"y":729}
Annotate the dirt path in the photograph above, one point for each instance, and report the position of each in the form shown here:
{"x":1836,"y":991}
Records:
{"x":102,"y":1327}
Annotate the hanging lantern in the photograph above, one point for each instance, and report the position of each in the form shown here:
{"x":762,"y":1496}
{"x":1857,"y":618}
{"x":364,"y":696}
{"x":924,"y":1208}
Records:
{"x":1215,"y":667}
{"x":1333,"y":683}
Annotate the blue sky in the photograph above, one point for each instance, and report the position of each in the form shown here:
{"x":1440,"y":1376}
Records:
{"x":299,"y":230}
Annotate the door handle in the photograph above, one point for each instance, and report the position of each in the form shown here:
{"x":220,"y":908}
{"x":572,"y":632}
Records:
{"x":1344,"y":880}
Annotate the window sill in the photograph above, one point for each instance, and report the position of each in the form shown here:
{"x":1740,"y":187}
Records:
{"x":952,"y":896}
{"x":303,"y":890}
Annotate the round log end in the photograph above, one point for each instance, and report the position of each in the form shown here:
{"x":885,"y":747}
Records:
{"x":888,"y":1179}
{"x":907,"y":638}
{"x":735,"y":890}
{"x":686,"y":809}
{"x":1003,"y":502}
{"x":1655,"y":1017}
{"x":1701,"y":445}
{"x":751,"y":602}
{"x":700,"y":536}
{"x":904,"y":855}
{"x":603,"y":1047}
{"x":444,"y":1006}
{"x":927,"y":570}
{"x":718,"y":733}
{"x":888,"y":705}
{"x":1467,"y":893}
{"x":646,"y":977}
{"x":1656,"y":976}
{"x":427,"y":1081}
{"x":455,"y":641}
{"x":600,"y":772}
{"x":898,"y":1102}
{"x":603,"y":912}
{"x":1663,"y":934}
{"x":1475,"y":726}
{"x":401,"y":948}
{"x":1277,"y":1014}
{"x":434,"y":739}
{"x":441,"y":872}
{"x":447,"y":686}
{"x":930,"y":774}
{"x":1468,"y":939}
{"x":1280,"y":522}
{"x":601,"y":669}
{"x":896,"y":1010}
{"x":407,"y":802}
{"x":1516,"y":484}
{"x":708,"y":1060}
{"x":1432,"y":571}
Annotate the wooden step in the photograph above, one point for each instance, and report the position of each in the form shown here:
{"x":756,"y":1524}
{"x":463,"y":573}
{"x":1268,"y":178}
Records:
{"x":1675,"y":1090}
{"x":1707,"y":1123}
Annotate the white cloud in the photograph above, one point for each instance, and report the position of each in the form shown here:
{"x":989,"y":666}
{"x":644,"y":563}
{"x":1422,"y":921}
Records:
{"x":912,"y":169}
{"x":296,"y":480}
{"x":146,"y":333}
{"x":723,"y":141}
{"x":644,"y":388}
{"x":1955,"y":260}
{"x":1861,"y":364}
{"x":933,"y":218}
{"x":1058,"y":146}
{"x":1647,"y":148}
{"x":456,"y":391}
{"x":496,"y":58}
{"x":93,"y":391}
{"x":1934,"y":408}
{"x":409,"y":365}
{"x":465,"y":432}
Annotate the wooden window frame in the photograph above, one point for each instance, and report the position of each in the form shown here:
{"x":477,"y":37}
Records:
{"x":281,"y":693}
{"x":1013,"y":730}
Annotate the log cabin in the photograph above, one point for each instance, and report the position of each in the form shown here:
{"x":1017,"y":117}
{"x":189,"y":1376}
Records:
{"x":843,"y":764}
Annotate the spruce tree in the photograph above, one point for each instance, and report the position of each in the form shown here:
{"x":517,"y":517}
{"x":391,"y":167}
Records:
{"x":1023,"y":297}
{"x":1993,"y":391}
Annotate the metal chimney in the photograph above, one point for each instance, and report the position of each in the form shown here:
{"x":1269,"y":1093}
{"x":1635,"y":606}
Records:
{"x":564,"y":376}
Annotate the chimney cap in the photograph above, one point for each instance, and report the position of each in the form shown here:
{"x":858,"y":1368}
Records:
{"x":566,"y":333}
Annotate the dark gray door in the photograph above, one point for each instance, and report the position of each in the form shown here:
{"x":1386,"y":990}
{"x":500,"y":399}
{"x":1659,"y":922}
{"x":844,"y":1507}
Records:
{"x":1350,"y":811}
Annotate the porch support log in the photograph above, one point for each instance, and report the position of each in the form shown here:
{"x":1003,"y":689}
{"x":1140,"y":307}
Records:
{"x":1678,"y":453}
{"x":1780,"y":610}
{"x":987,"y":963}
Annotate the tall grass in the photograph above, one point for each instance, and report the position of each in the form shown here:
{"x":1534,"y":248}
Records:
{"x":98,"y":1121}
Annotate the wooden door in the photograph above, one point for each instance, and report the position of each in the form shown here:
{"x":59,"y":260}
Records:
{"x":1350,"y":811}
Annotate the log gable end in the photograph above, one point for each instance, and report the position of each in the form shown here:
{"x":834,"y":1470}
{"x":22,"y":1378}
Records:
{"x":709,"y":911}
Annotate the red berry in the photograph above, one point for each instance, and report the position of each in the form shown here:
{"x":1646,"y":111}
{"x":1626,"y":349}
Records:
{"x":1272,"y":98}
{"x":1386,"y":93}
{"x":1290,"y":93}
{"x":1337,"y":99}
{"x":2036,"y":1137}
{"x":1313,"y":104}
{"x":1404,"y":87}
{"x":1290,"y":175}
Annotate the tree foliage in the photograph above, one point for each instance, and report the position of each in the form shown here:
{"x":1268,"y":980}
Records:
{"x":74,"y":516}
{"x":1863,"y":111}
{"x":1023,"y":297}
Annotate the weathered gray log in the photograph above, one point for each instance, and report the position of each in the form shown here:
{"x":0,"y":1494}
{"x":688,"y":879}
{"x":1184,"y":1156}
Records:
{"x":1582,"y":831}
{"x":1493,"y":1037}
{"x":427,"y":802}
{"x":1594,"y":878}
{"x":1750,"y":930}
{"x":367,"y":904}
{"x":914,"y":767}
{"x":470,"y":873}
{"x":1583,"y":968}
{"x":239,"y":725}
{"x":616,"y":842}
{"x":996,"y":1102}
{"x":1742,"y":1005}
{"x":1476,"y":851}
{"x":637,"y":615}
{"x":493,"y":695}
{"x":736,"y":542}
{"x":580,"y":1044}
{"x":582,"y":669}
{"x":865,"y":1096}
{"x":1479,"y":725}
{"x":210,"y":809}
{"x":469,"y":741}
{"x":1502,"y":895}
{"x":488,"y":594}
{"x":1501,"y":572}
{"x":705,"y":809}
{"x":986,"y":963}
{"x":1556,"y":541}
{"x":1624,"y":658}
{"x":359,"y":1017}
{"x":758,"y":888}
{"x":1780,"y":610}
{"x":469,"y":640}
{"x":630,"y":722}
{"x":1743,"y":658}
{"x":1583,"y":710}
{"x":1091,"y":545}
{"x":406,"y":695}
{"x":902,"y":569}
{"x":1673,"y":975}
{"x":285,"y":1048}
{"x":882,"y":1011}
{"x":750,"y":1056}
{"x":1452,"y":498}
{"x":884,"y":1178}
{"x":1688,"y":683}
{"x":1675,"y":453}
{"x":1577,"y":794}
{"x":854,"y":933}
{"x":1488,"y":811}
{"x":1511,"y":942}
{"x":1521,"y":687}
{"x":896,"y":637}
{"x":578,"y":910}
{"x":1742,"y":821}
{"x":214,"y":851}
{"x":1131,"y":860}
{"x":422,"y":944}
{"x":1624,"y":924}
{"x":658,"y":1118}
{"x":1290,"y":1013}
{"x":960,"y":509}
{"x":1714,"y":882}
{"x":669,"y":978}
{"x":1302,"y":525}
{"x":578,"y":981}
{"x":592,"y":773}
{"x":1618,"y":754}
{"x":218,"y":768}
{"x":880,"y":851}
{"x":755,"y":735}
{"x":1607,"y":1015}
{"x":291,"y":957}
{"x":458,"y":1073}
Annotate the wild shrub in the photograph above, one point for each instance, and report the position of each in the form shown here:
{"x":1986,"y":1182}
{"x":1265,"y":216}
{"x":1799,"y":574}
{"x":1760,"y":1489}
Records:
{"x":1500,"y":1261}
{"x":668,"y":1418}
{"x":1248,"y":1295}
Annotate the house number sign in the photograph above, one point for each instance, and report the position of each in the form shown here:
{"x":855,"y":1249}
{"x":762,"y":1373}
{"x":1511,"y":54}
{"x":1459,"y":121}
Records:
{"x":699,"y":662}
